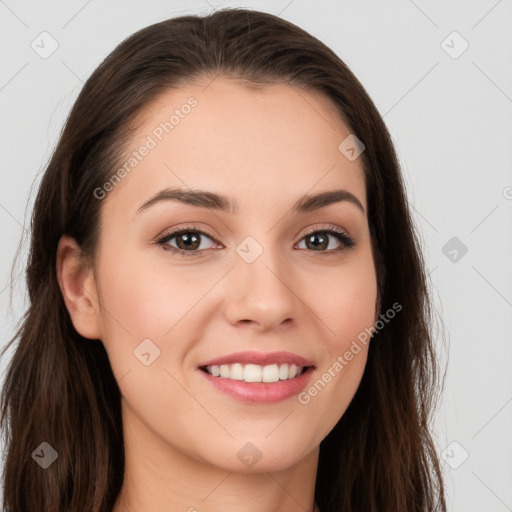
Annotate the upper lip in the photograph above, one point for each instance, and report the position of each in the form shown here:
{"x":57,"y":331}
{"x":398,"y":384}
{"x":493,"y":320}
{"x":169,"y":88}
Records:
{"x":259,"y":358}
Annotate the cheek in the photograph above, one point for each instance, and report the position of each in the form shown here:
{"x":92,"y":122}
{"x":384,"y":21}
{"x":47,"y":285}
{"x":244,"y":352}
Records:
{"x":345,"y":302}
{"x":142,"y":297}
{"x":347,"y":311}
{"x":138,"y":305}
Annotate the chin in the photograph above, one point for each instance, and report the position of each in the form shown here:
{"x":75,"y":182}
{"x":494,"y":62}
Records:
{"x":261,"y":455}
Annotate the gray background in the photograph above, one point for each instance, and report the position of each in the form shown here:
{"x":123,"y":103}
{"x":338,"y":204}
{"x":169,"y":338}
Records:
{"x":449,"y":116}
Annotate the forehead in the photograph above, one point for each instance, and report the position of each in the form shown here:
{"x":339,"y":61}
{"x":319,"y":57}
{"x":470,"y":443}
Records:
{"x":270,"y":143}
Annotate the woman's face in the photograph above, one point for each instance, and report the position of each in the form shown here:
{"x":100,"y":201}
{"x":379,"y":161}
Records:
{"x":250,"y":280}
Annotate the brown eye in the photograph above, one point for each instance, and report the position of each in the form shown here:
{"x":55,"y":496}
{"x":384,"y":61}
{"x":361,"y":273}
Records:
{"x":318,"y":240}
{"x":187,"y":241}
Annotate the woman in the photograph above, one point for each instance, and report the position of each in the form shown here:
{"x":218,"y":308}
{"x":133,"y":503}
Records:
{"x":228,"y":302}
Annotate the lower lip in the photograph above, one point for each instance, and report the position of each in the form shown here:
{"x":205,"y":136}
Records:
{"x":261,"y":392}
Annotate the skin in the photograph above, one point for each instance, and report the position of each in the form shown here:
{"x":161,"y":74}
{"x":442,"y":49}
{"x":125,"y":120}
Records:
{"x":265,"y":149}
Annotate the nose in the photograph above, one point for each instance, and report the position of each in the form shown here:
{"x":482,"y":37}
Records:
{"x":264,"y":293}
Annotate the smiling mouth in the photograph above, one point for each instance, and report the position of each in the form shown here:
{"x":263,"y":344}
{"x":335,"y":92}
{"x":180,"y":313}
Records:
{"x":255,"y":373}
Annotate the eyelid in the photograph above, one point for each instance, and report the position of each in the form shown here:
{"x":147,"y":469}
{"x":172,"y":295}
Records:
{"x":184,"y":227}
{"x":347,"y":243}
{"x":176,"y":230}
{"x":324,"y":227}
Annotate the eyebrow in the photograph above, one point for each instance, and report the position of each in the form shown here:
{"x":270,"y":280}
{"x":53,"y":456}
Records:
{"x":212,"y":200}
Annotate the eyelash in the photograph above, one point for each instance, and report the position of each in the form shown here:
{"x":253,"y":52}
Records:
{"x":347,"y":241}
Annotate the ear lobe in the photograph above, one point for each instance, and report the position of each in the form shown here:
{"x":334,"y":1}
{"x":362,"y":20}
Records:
{"x":78,"y":288}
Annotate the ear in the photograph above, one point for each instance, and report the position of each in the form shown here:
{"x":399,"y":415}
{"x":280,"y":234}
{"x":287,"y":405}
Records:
{"x":78,"y":287}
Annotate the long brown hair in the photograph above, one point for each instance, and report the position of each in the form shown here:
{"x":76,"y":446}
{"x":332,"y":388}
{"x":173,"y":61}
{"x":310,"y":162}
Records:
{"x":59,"y":387}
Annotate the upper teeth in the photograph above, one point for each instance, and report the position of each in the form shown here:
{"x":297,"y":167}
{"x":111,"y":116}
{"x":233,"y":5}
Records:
{"x":254,"y":372}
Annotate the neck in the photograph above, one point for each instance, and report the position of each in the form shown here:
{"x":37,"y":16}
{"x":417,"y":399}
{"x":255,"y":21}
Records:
{"x":158,"y":476}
